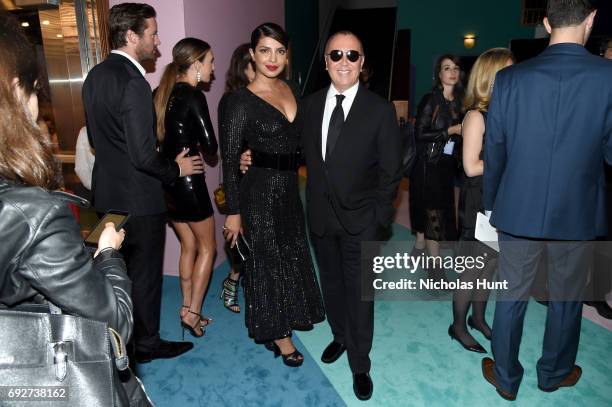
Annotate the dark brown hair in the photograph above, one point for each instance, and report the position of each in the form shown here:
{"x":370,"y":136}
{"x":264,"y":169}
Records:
{"x":25,"y":155}
{"x":270,"y":30}
{"x":236,"y":78}
{"x":458,"y":88}
{"x":184,"y":54}
{"x":567,"y":13}
{"x":128,"y":16}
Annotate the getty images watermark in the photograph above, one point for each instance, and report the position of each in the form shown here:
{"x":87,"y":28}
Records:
{"x":394,"y":271}
{"x":391,"y":271}
{"x":409,"y":263}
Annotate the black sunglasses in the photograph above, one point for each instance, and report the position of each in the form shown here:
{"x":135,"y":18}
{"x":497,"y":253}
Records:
{"x":336,"y":55}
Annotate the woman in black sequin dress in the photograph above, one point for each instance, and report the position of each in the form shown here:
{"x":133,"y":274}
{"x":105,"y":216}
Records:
{"x":239,"y":75}
{"x":183,"y":122}
{"x":281,"y":290}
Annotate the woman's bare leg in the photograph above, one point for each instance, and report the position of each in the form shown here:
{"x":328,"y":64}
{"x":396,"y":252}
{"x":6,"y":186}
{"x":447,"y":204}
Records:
{"x":204,"y":232}
{"x":186,"y":261}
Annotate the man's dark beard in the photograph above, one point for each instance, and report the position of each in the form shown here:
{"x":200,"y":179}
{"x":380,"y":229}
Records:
{"x":146,"y":56}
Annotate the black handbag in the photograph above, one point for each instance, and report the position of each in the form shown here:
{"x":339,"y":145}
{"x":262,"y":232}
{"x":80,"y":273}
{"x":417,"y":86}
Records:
{"x":63,"y":360}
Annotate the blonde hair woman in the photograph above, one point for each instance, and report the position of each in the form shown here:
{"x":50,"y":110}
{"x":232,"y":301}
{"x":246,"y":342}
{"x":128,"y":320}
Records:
{"x":478,"y":94}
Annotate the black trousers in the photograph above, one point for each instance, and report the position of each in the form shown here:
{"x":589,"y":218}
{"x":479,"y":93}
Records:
{"x":351,"y":319}
{"x":143,"y":250}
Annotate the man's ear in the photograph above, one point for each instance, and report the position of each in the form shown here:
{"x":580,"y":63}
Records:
{"x":547,"y":25}
{"x":590,"y":20}
{"x":131,"y":37}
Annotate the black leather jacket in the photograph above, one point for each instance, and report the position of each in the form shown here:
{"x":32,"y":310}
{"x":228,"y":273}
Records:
{"x":42,"y":252}
{"x":434,"y":117}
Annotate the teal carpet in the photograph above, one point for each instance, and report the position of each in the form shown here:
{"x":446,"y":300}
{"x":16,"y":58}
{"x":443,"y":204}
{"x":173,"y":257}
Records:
{"x":414,"y":362}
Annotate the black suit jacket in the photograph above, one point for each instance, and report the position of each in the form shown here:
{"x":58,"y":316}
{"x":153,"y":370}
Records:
{"x":128,"y":171}
{"x":361,"y":175}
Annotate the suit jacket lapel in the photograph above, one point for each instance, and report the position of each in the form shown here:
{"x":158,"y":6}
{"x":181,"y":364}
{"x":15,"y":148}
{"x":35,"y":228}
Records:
{"x":318,"y":111}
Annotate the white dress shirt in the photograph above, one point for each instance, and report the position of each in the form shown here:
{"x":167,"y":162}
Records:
{"x":132,"y":60}
{"x":84,"y":159}
{"x":330,"y":104}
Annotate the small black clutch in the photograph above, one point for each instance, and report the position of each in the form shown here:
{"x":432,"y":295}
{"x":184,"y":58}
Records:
{"x":241,"y":250}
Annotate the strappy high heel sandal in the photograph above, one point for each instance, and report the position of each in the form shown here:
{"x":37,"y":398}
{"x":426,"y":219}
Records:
{"x":294,"y":359}
{"x":229,"y":295}
{"x":204,"y":322}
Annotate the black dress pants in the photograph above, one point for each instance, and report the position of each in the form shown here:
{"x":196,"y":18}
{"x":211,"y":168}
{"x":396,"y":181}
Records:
{"x":143,"y":250}
{"x":351,"y":319}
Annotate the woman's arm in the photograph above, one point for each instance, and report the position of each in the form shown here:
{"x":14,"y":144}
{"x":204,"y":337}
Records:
{"x":425,"y":115}
{"x":202,"y":124}
{"x":232,"y":133}
{"x":473,"y":132}
{"x":56,"y":264}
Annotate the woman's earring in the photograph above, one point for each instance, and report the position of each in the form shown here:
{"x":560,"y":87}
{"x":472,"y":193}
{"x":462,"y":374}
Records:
{"x":198,"y":76}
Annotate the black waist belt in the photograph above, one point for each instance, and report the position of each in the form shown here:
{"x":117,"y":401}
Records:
{"x":275,"y":161}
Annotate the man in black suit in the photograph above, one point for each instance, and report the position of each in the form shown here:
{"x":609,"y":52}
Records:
{"x":353,"y":149}
{"x":128,"y":172}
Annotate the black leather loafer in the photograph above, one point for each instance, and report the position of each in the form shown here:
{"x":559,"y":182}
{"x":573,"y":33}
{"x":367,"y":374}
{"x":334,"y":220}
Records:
{"x":333,"y":351}
{"x":363,"y":386}
{"x":163,"y":350}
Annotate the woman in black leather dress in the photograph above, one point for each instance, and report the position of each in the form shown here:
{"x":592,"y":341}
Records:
{"x":281,"y":290}
{"x":438,"y":126}
{"x":183,"y":122}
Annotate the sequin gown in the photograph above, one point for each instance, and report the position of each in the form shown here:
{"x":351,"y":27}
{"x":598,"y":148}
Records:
{"x":281,"y":290}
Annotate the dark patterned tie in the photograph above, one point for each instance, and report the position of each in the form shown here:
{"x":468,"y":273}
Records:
{"x":335,"y":126}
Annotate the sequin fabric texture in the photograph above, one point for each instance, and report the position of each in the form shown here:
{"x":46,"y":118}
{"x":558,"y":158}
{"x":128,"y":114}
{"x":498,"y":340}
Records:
{"x":281,"y":290}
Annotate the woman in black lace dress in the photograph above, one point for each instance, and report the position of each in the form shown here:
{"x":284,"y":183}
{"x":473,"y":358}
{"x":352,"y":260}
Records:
{"x":438,"y":132}
{"x":281,"y":290}
{"x":183,"y":122}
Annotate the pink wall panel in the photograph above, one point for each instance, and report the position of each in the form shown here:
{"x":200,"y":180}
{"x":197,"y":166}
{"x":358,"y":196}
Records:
{"x":224,"y":24}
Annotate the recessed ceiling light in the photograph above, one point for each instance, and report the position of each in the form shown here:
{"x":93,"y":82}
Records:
{"x":25,"y":24}
{"x":46,"y":22}
{"x":59,"y":36}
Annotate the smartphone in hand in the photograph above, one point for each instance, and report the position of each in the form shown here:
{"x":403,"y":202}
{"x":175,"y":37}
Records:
{"x":119,"y":218}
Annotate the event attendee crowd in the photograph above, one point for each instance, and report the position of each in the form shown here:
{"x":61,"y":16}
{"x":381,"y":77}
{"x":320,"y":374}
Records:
{"x":507,"y":136}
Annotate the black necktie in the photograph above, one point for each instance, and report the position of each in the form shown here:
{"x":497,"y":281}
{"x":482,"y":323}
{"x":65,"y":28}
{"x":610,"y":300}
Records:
{"x":335,"y":125}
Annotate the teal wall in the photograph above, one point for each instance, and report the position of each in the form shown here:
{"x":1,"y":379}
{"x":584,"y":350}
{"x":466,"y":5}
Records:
{"x":302,"y":25}
{"x":438,"y":27}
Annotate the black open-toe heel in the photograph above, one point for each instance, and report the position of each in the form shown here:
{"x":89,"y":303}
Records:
{"x":229,"y":295}
{"x":294,"y":359}
{"x":204,"y":322}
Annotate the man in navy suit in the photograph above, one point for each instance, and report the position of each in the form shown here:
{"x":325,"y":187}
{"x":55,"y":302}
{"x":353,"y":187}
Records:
{"x":549,"y":128}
